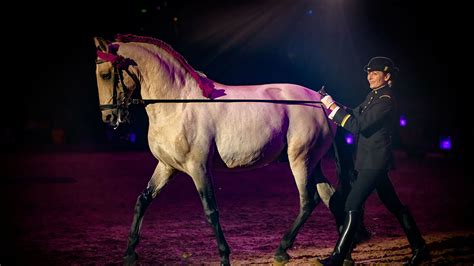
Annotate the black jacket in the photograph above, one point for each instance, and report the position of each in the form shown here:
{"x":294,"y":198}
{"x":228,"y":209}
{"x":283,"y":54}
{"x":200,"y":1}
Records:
{"x":373,"y":124}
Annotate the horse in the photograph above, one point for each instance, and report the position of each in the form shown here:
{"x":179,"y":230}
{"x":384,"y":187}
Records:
{"x":198,"y":138}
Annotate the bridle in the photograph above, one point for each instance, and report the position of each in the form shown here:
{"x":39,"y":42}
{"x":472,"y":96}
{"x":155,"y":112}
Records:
{"x":120,"y":65}
{"x":118,"y":79}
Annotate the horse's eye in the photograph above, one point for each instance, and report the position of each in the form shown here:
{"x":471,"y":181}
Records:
{"x":106,"y":75}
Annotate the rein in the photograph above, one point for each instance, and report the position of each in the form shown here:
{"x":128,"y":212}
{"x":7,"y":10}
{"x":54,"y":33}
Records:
{"x":121,"y":64}
{"x":150,"y":101}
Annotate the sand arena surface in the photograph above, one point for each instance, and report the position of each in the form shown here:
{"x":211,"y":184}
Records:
{"x":76,"y":209}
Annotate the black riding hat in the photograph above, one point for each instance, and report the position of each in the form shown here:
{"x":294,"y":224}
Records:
{"x":380,"y":63}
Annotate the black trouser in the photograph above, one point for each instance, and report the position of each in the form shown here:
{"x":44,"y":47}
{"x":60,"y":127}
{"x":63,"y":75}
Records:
{"x":344,"y":163}
{"x":364,"y":185}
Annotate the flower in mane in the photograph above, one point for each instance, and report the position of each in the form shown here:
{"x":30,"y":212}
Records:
{"x":206,"y":85}
{"x":117,"y":60}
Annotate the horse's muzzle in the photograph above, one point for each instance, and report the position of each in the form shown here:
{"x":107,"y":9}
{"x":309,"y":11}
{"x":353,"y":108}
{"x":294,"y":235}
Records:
{"x":115,"y":117}
{"x":110,"y":118}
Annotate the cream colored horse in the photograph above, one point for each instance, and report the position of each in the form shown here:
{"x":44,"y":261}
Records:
{"x":195,"y":138}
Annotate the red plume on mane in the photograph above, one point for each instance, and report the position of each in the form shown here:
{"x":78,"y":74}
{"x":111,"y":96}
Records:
{"x":207,"y":86}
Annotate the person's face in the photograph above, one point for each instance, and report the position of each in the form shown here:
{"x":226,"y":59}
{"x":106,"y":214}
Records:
{"x":377,"y":79}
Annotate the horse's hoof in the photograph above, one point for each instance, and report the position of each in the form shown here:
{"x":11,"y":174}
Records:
{"x":130,"y":259}
{"x":348,"y":262}
{"x":281,"y":258}
{"x":225,"y":261}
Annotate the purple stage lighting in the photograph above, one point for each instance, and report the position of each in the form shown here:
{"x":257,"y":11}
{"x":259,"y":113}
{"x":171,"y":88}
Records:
{"x":349,"y":139}
{"x":132,"y":137}
{"x":445,"y":143}
{"x":403,"y":121}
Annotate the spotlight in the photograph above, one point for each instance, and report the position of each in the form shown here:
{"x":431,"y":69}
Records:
{"x":403,"y":121}
{"x":445,"y":143}
{"x":349,"y":139}
{"x":132,"y":137}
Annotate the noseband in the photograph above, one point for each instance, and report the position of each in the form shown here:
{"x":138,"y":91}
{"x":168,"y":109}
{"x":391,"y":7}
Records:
{"x":120,"y":65}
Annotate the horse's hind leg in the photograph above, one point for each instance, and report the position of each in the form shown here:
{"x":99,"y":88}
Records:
{"x":203,"y":182}
{"x":308,"y":201}
{"x":159,"y":179}
{"x":330,"y":197}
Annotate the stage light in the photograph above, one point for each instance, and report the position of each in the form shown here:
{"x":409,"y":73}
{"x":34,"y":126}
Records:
{"x":403,"y":121}
{"x":349,"y":139}
{"x":132,"y":137}
{"x":445,"y":143}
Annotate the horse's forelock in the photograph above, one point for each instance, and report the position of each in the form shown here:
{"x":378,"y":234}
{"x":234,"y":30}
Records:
{"x":205,"y":84}
{"x":113,"y":48}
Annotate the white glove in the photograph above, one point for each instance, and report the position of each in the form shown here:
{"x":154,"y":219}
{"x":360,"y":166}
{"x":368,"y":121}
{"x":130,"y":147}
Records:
{"x":327,"y":101}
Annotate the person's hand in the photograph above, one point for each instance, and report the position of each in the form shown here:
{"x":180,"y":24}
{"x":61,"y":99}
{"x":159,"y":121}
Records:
{"x":327,"y":101}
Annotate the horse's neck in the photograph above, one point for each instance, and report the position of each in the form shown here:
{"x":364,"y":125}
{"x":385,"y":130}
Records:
{"x":159,"y":85}
{"x":162,"y":77}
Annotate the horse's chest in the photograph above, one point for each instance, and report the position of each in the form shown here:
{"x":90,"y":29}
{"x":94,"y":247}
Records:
{"x":169,"y":147}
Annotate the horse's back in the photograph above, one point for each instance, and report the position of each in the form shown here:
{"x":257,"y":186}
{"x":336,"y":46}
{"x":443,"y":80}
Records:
{"x":275,"y":91}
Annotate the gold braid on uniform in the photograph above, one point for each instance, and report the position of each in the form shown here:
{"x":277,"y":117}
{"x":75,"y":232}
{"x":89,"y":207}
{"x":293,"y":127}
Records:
{"x":344,"y":120}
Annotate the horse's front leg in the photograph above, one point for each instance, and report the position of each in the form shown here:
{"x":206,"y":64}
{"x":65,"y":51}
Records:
{"x":159,"y":179}
{"x":202,"y":180}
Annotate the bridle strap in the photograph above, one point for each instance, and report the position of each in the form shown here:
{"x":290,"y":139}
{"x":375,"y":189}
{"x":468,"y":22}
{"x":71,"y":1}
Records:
{"x":122,"y":103}
{"x":120,"y":64}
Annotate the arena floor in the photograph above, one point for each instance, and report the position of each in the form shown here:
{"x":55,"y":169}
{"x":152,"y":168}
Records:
{"x":67,"y":208}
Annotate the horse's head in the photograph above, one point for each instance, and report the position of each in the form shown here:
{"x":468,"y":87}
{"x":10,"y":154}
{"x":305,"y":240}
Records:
{"x":115,"y":82}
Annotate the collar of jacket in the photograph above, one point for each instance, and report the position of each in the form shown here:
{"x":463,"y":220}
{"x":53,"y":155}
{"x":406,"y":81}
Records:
{"x":380,"y":90}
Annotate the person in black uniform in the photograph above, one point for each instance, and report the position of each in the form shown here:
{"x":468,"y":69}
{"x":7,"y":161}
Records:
{"x":373,"y":122}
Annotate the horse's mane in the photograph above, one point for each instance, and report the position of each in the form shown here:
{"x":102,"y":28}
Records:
{"x":205,"y":84}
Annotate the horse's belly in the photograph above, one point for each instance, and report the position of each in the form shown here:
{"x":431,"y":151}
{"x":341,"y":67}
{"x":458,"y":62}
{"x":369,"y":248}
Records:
{"x":244,"y":155}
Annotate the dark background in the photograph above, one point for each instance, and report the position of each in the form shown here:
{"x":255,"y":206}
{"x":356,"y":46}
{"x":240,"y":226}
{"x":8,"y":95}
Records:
{"x":63,"y":207}
{"x":51,"y":96}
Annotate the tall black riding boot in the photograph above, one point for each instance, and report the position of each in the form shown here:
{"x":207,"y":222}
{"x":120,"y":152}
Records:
{"x":346,"y":238}
{"x":336,"y":206}
{"x":418,"y":246}
{"x":363,"y":234}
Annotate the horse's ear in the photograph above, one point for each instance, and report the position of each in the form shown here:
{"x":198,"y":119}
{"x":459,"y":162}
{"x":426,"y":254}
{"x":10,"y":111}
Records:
{"x":101,"y":44}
